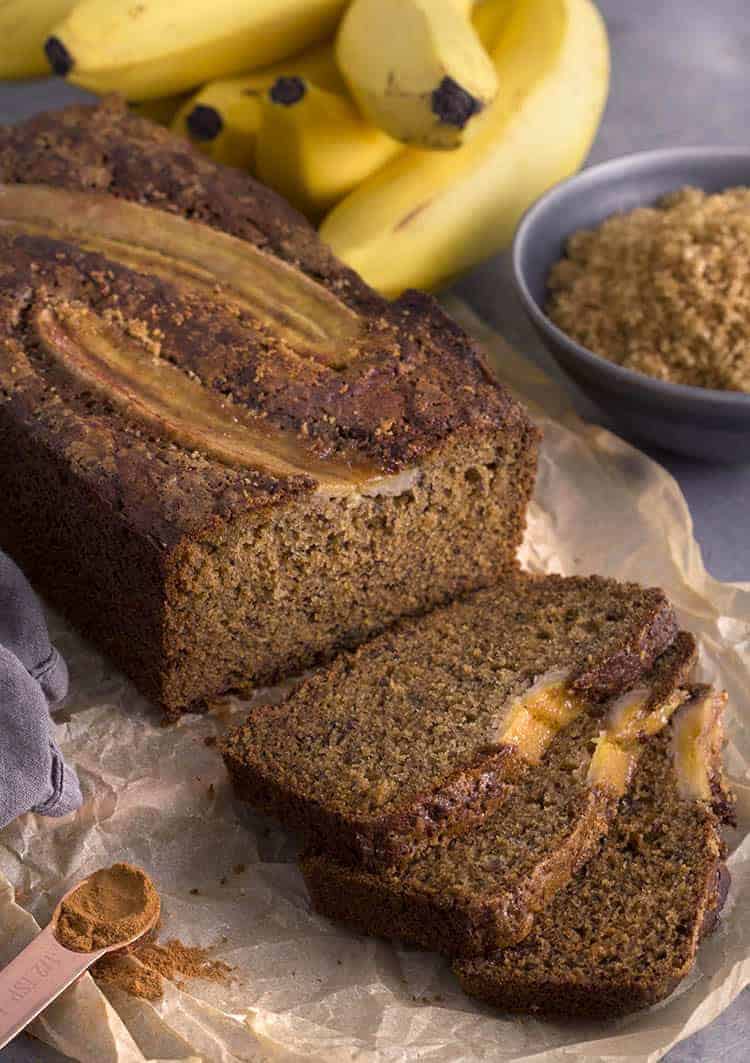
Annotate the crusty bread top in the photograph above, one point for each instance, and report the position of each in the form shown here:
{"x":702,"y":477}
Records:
{"x":416,"y":378}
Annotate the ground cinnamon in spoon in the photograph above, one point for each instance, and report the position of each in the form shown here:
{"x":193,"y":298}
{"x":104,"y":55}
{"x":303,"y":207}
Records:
{"x":109,"y":907}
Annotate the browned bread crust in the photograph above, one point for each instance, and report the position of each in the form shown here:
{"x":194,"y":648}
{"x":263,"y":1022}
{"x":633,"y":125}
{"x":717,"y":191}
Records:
{"x":390,"y":749}
{"x":481,"y":891}
{"x":418,"y":378}
{"x":118,"y":524}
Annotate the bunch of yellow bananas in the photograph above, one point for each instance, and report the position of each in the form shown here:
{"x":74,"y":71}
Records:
{"x":415,"y":131}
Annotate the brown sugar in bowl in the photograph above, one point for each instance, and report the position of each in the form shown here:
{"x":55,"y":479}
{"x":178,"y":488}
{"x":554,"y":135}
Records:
{"x":702,"y":423}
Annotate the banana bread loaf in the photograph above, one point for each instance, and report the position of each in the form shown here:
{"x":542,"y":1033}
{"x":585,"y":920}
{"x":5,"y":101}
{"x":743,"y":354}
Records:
{"x":225,"y":455}
{"x":421,"y":730}
{"x":480,"y":891}
{"x":625,"y":931}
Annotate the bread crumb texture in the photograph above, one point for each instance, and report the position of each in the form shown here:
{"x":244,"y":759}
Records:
{"x":664,"y":290}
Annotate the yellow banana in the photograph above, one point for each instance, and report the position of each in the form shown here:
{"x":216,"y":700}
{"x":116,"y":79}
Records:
{"x":426,"y":216}
{"x":416,"y":68}
{"x":161,"y":111}
{"x":313,"y":145}
{"x":158,"y":48}
{"x":24,"y":27}
{"x":223,"y":118}
{"x":489,"y":18}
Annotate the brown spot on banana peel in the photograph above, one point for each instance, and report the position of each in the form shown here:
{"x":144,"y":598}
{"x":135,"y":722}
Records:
{"x":408,"y":218}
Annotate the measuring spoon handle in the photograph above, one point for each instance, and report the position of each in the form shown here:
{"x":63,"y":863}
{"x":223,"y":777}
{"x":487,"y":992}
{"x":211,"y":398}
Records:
{"x":35,"y":978}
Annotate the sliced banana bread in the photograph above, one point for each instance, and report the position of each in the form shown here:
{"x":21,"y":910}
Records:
{"x":480,"y":891}
{"x":226,"y":456}
{"x":625,"y":931}
{"x":420,"y":731}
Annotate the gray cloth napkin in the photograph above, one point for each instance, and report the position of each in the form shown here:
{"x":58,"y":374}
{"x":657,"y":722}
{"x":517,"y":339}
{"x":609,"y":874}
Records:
{"x":33,"y":679}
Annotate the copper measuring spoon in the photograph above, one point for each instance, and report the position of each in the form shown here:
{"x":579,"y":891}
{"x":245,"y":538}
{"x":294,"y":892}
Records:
{"x":40,"y":973}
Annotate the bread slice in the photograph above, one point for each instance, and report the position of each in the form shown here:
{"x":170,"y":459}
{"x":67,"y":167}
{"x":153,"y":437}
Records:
{"x":229,"y":458}
{"x":480,"y":891}
{"x":419,"y":733}
{"x":625,"y":931}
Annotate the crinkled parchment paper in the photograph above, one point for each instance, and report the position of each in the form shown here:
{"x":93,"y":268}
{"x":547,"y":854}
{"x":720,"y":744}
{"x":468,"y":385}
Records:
{"x":302,"y":988}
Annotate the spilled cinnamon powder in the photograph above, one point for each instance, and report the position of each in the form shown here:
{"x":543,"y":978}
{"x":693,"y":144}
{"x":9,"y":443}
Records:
{"x":142,"y":969}
{"x":108,"y":908}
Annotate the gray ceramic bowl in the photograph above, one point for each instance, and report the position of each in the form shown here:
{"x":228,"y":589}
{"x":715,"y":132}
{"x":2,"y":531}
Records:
{"x":712,"y":425}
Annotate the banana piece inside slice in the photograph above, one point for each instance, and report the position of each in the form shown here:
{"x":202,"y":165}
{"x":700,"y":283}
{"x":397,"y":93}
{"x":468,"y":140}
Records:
{"x":697,"y":738}
{"x":537,"y":715}
{"x":631,"y":718}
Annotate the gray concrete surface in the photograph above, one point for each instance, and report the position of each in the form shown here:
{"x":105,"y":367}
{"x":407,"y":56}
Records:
{"x":681,"y":76}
